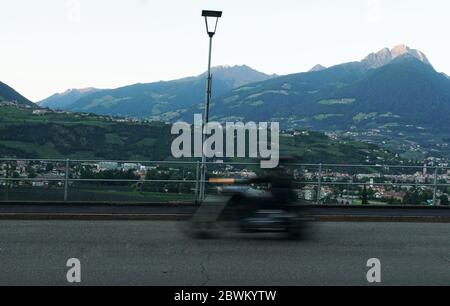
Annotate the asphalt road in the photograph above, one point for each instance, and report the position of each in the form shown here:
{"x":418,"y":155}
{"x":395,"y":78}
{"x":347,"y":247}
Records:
{"x":158,"y":253}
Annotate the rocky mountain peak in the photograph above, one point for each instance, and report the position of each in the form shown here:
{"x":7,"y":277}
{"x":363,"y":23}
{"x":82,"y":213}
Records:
{"x":385,"y":56}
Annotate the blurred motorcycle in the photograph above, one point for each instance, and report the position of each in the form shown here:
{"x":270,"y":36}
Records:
{"x":238,"y":205}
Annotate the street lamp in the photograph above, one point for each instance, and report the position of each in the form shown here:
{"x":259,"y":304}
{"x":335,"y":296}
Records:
{"x":211,"y":20}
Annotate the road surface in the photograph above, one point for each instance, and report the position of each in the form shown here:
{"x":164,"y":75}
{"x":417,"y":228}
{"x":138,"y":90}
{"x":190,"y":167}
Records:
{"x":158,"y":253}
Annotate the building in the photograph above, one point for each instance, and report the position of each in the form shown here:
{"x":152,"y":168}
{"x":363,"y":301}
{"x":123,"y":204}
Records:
{"x":130,"y":166}
{"x":344,"y":201}
{"x":309,"y":193}
{"x":41,"y":111}
{"x":108,"y":165}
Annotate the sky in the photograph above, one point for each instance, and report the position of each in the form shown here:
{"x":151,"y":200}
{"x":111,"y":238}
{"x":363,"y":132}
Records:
{"x":48,"y":46}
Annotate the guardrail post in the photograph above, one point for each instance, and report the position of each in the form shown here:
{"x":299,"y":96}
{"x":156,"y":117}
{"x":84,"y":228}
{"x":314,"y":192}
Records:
{"x":66,"y":180}
{"x":435,"y":186}
{"x":7,"y":184}
{"x":319,"y":184}
{"x":197,"y":177}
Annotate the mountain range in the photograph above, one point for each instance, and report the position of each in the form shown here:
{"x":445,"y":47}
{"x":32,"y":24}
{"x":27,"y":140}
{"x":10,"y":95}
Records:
{"x":405,"y":90}
{"x":396,"y":85}
{"x":393,"y":95}
{"x":157,"y":101}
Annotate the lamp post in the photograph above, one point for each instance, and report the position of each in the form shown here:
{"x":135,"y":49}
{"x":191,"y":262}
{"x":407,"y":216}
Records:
{"x":211,"y":20}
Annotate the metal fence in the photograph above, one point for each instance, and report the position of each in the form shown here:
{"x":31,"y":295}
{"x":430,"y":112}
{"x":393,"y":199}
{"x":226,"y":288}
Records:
{"x":28,"y":180}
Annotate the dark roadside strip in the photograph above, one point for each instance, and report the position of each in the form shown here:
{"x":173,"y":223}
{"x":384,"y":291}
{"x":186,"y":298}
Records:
{"x":183,"y":211}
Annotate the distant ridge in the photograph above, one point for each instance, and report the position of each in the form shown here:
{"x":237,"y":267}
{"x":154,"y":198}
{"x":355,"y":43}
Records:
{"x":164,"y":100}
{"x":63,"y":100}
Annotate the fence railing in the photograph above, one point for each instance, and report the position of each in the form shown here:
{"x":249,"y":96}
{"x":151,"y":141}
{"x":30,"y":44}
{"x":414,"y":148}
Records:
{"x":22,"y":178}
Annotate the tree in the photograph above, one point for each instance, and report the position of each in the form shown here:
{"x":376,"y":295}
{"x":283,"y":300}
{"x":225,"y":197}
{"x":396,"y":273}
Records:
{"x":49,"y":167}
{"x":364,"y":196}
{"x":412,"y":197}
{"x":32,"y":174}
{"x":444,"y":200}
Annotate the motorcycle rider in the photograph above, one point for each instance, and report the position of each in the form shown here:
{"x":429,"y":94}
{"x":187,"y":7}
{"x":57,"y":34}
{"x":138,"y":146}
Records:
{"x":280,"y":185}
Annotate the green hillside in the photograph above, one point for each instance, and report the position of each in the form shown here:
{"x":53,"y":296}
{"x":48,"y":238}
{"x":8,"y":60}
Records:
{"x":54,"y":135}
{"x":81,"y":136}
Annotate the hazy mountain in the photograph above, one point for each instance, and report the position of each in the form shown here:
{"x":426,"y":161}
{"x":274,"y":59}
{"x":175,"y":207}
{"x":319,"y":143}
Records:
{"x":237,"y":75}
{"x":165,"y":100}
{"x":385,"y":56}
{"x":406,"y":91}
{"x":63,"y":100}
{"x":403,"y":99}
{"x":395,"y":93}
{"x":288,"y":99}
{"x":411,"y":91}
{"x":292,"y":99}
{"x":8,"y":94}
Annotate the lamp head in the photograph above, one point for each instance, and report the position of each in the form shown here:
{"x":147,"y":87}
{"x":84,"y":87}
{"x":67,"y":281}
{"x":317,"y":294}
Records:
{"x":211,"y":20}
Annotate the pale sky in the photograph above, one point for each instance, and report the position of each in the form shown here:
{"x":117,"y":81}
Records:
{"x":48,"y":46}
